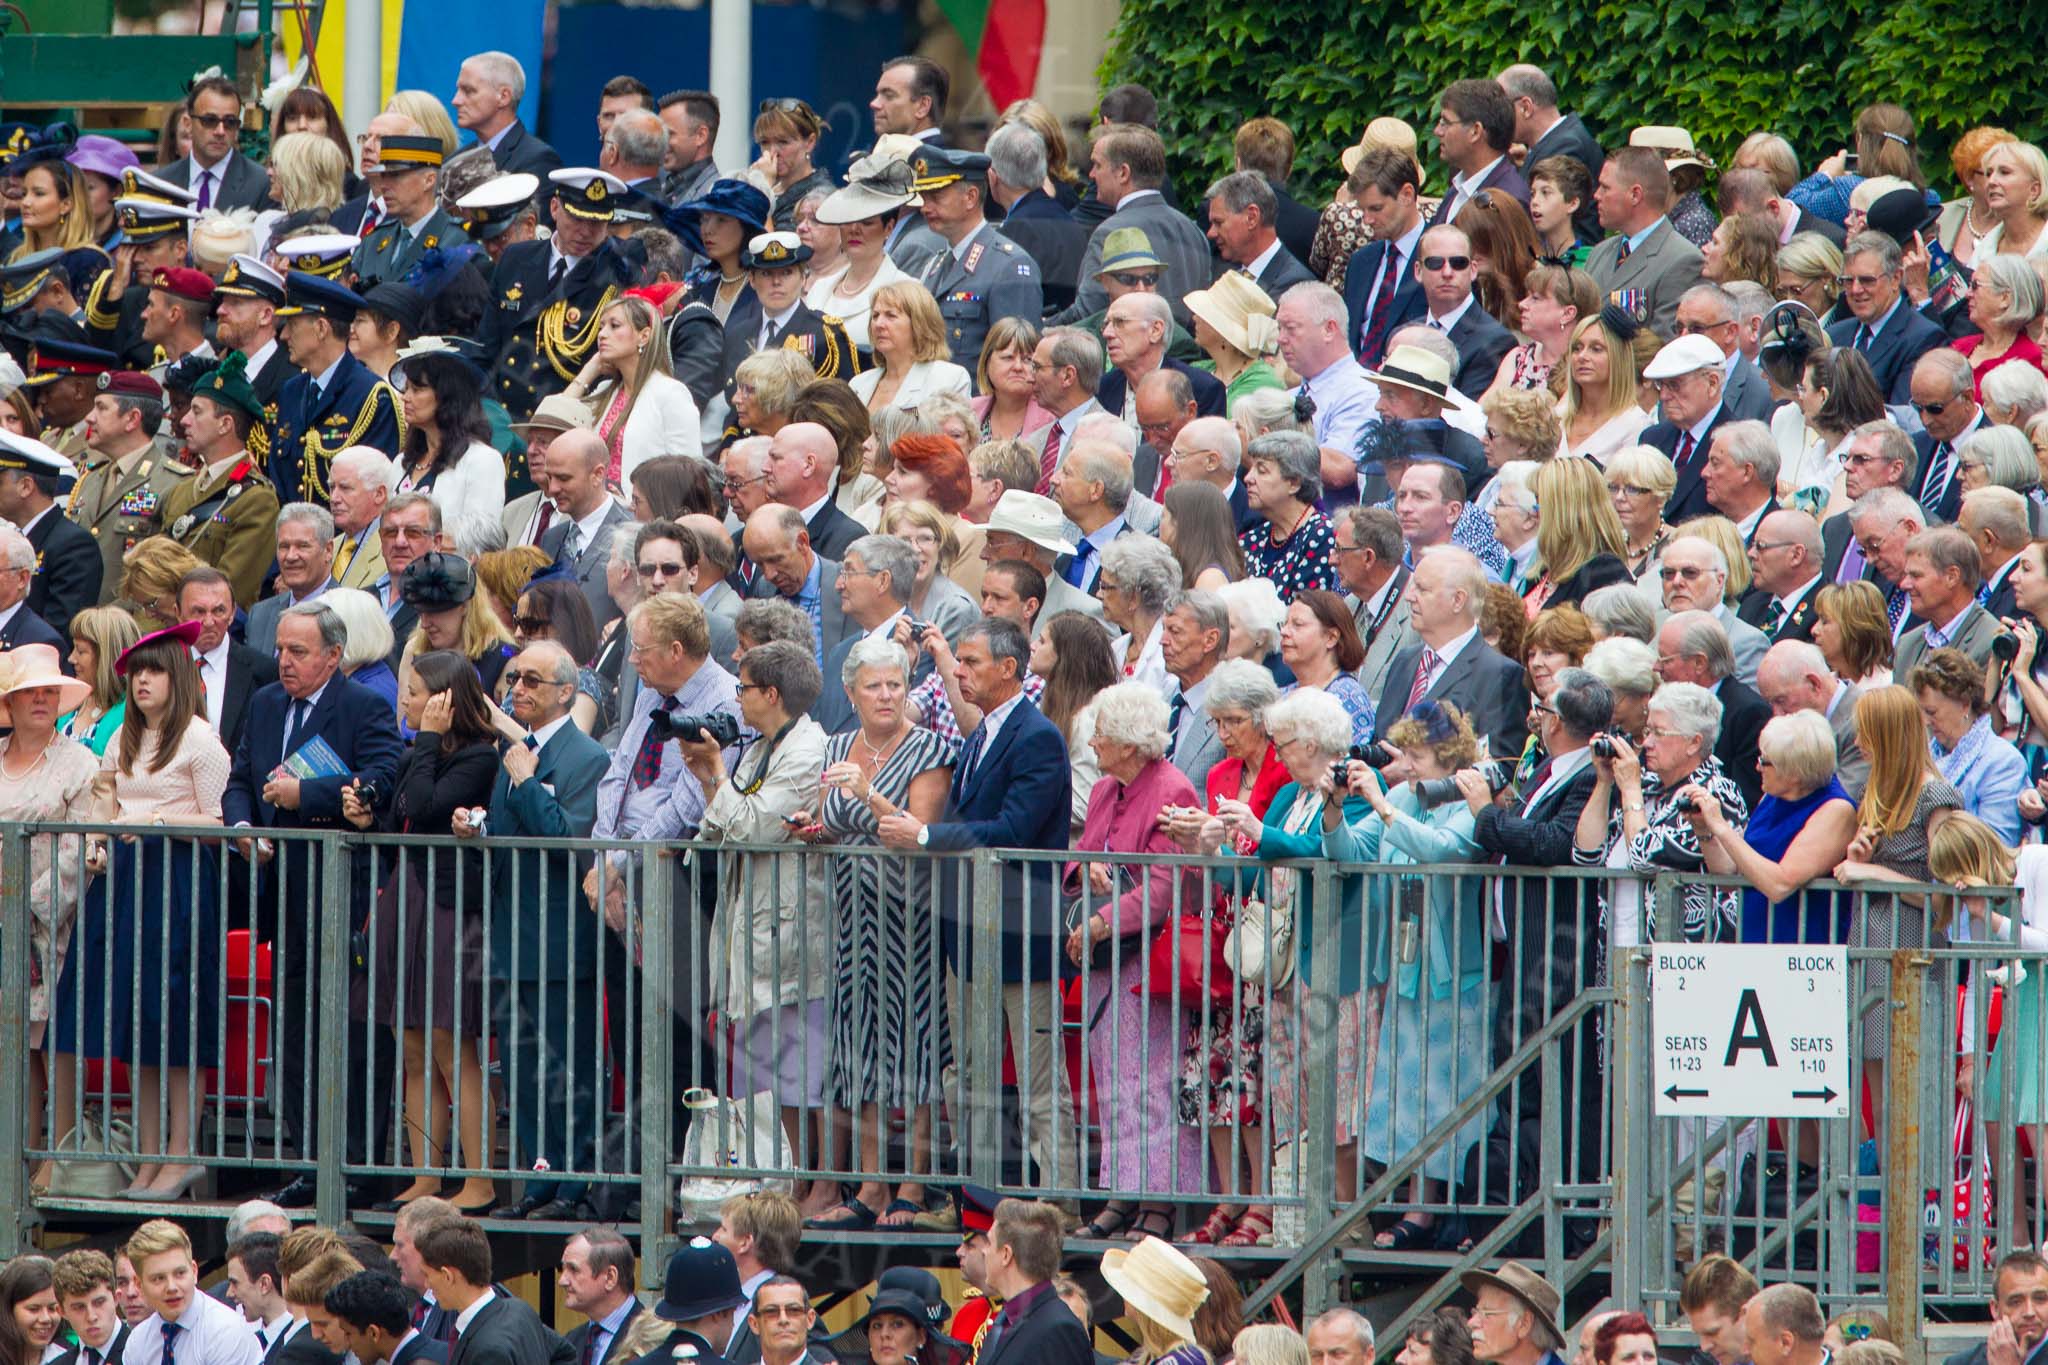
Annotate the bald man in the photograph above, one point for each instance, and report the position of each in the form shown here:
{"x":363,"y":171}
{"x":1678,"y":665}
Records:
{"x":803,"y":472}
{"x":791,"y":568}
{"x":1785,"y":557}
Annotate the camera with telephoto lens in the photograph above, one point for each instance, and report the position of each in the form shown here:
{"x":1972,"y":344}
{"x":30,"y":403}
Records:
{"x":1373,"y":754}
{"x":713,"y":724}
{"x":2005,"y":646}
{"x":1441,"y":791}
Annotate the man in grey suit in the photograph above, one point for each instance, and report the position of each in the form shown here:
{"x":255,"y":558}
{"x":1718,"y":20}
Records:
{"x":218,"y":175}
{"x":305,"y":569}
{"x":1027,"y":527}
{"x":777,"y":540}
{"x":1066,"y":370}
{"x":875,"y":580}
{"x":1943,"y":571}
{"x":1712,"y":312}
{"x":587,"y":514}
{"x":1646,"y":264}
{"x":714,"y":561}
{"x":1243,"y":213}
{"x":1696,"y":579}
{"x":1451,"y":662}
{"x":1795,"y":676}
{"x":1367,"y":554}
{"x":1128,"y":165}
{"x":1192,"y":637}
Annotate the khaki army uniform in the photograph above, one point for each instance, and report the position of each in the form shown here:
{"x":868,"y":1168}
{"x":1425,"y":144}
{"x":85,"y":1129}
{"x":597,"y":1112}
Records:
{"x":229,"y":520}
{"x":121,"y":507}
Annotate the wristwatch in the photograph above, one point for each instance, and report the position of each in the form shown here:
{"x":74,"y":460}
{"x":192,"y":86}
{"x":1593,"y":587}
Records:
{"x":924,"y":836}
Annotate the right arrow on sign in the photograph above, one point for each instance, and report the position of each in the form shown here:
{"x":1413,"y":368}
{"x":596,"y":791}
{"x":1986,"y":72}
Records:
{"x":1824,"y":1096}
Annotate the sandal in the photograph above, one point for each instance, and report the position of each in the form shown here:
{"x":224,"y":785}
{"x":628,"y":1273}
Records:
{"x":1254,"y":1229}
{"x":1405,"y":1235}
{"x":1151,"y":1223}
{"x":860,"y":1218}
{"x":1215,"y":1228}
{"x":902,"y":1211}
{"x":1107,"y":1224}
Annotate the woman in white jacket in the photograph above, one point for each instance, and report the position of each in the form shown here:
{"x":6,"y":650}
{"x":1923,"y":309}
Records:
{"x":911,"y":356}
{"x":448,"y":455}
{"x":642,"y":409}
{"x":771,"y":939}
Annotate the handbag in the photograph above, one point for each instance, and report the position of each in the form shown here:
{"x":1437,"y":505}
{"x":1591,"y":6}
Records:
{"x":1186,"y":962}
{"x":83,"y":1179}
{"x":1261,"y":929}
{"x":732,"y":1135}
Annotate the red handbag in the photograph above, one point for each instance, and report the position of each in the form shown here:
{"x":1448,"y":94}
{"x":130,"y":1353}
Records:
{"x":1185,"y":962}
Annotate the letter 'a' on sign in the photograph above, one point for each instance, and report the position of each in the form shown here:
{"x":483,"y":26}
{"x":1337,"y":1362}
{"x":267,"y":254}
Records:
{"x":1748,"y":1030}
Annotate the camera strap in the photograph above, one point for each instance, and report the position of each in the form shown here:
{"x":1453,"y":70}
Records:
{"x":767,"y":753}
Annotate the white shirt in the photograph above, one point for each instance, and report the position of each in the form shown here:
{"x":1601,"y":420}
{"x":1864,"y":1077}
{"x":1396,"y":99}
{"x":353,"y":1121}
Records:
{"x":306,"y":709}
{"x":1257,"y":264}
{"x":1463,"y":187}
{"x":885,"y":632}
{"x":213,"y":677}
{"x":209,"y":1333}
{"x":992,"y":726}
{"x":547,"y":732}
{"x":1791,"y":600}
{"x":1450,"y":319}
{"x":779,"y":320}
{"x":588,"y":527}
{"x":399,"y":1349}
{"x":261,"y":357}
{"x":1749,"y":523}
{"x":31,"y":523}
{"x":812,"y":509}
{"x":1563,"y":768}
{"x":1450,"y":652}
{"x":468,"y":1315}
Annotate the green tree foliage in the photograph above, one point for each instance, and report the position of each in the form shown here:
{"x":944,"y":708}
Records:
{"x":1721,"y":68}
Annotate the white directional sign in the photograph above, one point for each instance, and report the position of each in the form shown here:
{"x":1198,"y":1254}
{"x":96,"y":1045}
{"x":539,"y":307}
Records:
{"x":1746,"y":1030}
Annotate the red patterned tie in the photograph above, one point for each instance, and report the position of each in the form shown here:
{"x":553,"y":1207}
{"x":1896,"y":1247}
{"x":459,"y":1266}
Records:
{"x":1049,"y":460}
{"x":1424,"y":671}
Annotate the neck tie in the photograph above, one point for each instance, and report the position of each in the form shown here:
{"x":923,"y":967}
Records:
{"x":1862,"y":337}
{"x":1536,"y":781}
{"x":768,"y":331}
{"x":1895,"y":608}
{"x":205,"y":203}
{"x":590,"y":1345}
{"x":1174,"y":712}
{"x":343,"y":556}
{"x":1851,"y":568}
{"x":556,"y":271}
{"x":1774,"y":616}
{"x":1936,"y":483}
{"x":647,"y":763}
{"x":206,"y":689}
{"x":547,"y":514}
{"x":294,"y":717}
{"x":1049,"y":460}
{"x":972,"y":754}
{"x":1627,"y":249}
{"x":92,"y":1356}
{"x":572,"y":543}
{"x":371,"y":217}
{"x":1425,"y":670}
{"x":419,"y":1313}
{"x":171,"y":1330}
{"x":1380,"y":311}
{"x":1077,"y":567}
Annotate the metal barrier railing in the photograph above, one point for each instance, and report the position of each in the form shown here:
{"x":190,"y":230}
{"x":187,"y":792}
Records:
{"x":1450,"y":1042}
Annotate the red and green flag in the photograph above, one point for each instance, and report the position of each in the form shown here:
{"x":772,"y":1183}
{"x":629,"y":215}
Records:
{"x":1006,"y":38}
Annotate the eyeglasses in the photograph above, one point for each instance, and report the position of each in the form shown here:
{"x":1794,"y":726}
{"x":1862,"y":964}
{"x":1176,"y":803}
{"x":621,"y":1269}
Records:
{"x":1542,"y":708}
{"x":1932,"y":409}
{"x":1861,"y":281}
{"x":667,"y":570}
{"x":532,"y":625}
{"x":1860,"y":459}
{"x":408,"y":534}
{"x":1766,"y":546}
{"x":220,"y":123}
{"x":1345,"y":549}
{"x":1445,"y":121}
{"x":1686,"y":571}
{"x":1438,"y":262}
{"x":1129,"y":279}
{"x":733,"y":485}
{"x":531,"y":681}
{"x":1628,"y":490}
{"x":780,"y":1310}
{"x":785,"y":106}
{"x":754,"y":687}
{"x":1701,"y":328}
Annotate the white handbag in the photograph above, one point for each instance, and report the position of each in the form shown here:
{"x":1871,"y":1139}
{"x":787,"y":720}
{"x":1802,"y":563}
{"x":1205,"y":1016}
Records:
{"x":81,"y":1179}
{"x":1261,"y":930}
{"x":734,"y":1135}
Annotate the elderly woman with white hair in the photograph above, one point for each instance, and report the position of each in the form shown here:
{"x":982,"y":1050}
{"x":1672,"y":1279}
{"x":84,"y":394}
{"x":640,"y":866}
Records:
{"x":1629,"y":668}
{"x":2013,"y":395}
{"x":2004,"y":302}
{"x":366,"y":657}
{"x":1641,"y":479}
{"x":1310,"y":730}
{"x":1139,"y":579}
{"x":1433,"y":1029}
{"x":1256,"y":616}
{"x":1515,"y":519}
{"x":1634,"y":822}
{"x":1262,"y":411}
{"x":2003,"y":457}
{"x":890,"y":1044}
{"x":1283,"y":480}
{"x":1798,"y":833}
{"x":1621,"y":609}
{"x":1134,"y":1036}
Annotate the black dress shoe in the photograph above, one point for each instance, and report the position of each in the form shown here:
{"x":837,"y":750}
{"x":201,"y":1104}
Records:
{"x":558,"y":1211}
{"x":519,"y":1208}
{"x":300,"y":1194}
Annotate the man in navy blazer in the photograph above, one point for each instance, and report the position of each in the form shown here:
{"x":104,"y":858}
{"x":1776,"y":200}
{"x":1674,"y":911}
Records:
{"x":308,"y":701}
{"x":1243,"y":223}
{"x":1011,"y":789}
{"x":374,"y":1312}
{"x":1446,"y":273}
{"x":1135,"y":331}
{"x":1451,"y":661}
{"x":1383,"y":295}
{"x":1688,"y":376}
{"x":1032,"y":218}
{"x":544,"y":959}
{"x":1882,"y":322}
{"x":1474,"y":128}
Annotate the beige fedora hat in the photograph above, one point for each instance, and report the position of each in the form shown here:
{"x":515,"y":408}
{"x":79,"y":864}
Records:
{"x":1240,"y":311}
{"x":1411,"y":367}
{"x":1158,"y":1280}
{"x":1033,"y":517}
{"x":1384,"y":131}
{"x":1525,"y":1284}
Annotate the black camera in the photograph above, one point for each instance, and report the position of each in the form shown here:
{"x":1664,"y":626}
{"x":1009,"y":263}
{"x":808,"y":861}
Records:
{"x":2005,"y":646}
{"x":713,"y":724}
{"x":1687,"y":805}
{"x":370,"y":792}
{"x":1441,"y":791}
{"x":1603,"y":746}
{"x":1373,"y":754}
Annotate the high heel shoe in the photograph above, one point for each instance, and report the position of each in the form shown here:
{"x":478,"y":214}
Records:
{"x":171,"y":1194}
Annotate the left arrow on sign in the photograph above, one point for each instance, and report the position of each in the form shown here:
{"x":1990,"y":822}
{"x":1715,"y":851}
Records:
{"x":1674,"y":1093}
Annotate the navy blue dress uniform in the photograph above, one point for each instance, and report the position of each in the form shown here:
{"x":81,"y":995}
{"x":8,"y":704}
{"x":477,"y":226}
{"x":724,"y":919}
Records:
{"x":490,"y":210}
{"x":248,"y":278}
{"x":325,"y":254}
{"x":115,"y":509}
{"x":228,"y":518}
{"x":115,"y":322}
{"x":67,"y":569}
{"x":392,"y":249}
{"x":355,"y":409}
{"x":542,"y":329}
{"x":818,"y":337}
{"x":985,"y":277}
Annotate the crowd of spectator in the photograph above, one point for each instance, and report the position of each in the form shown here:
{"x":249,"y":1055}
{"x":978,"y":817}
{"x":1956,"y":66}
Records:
{"x":1605,"y":515}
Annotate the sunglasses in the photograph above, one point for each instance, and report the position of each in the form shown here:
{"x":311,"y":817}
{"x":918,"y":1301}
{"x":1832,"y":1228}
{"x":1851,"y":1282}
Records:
{"x":1135,"y":279}
{"x":531,"y":625}
{"x":675,"y":570}
{"x":1932,"y":409}
{"x":1439,"y":262}
{"x":218,"y":122}
{"x":531,"y":681}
